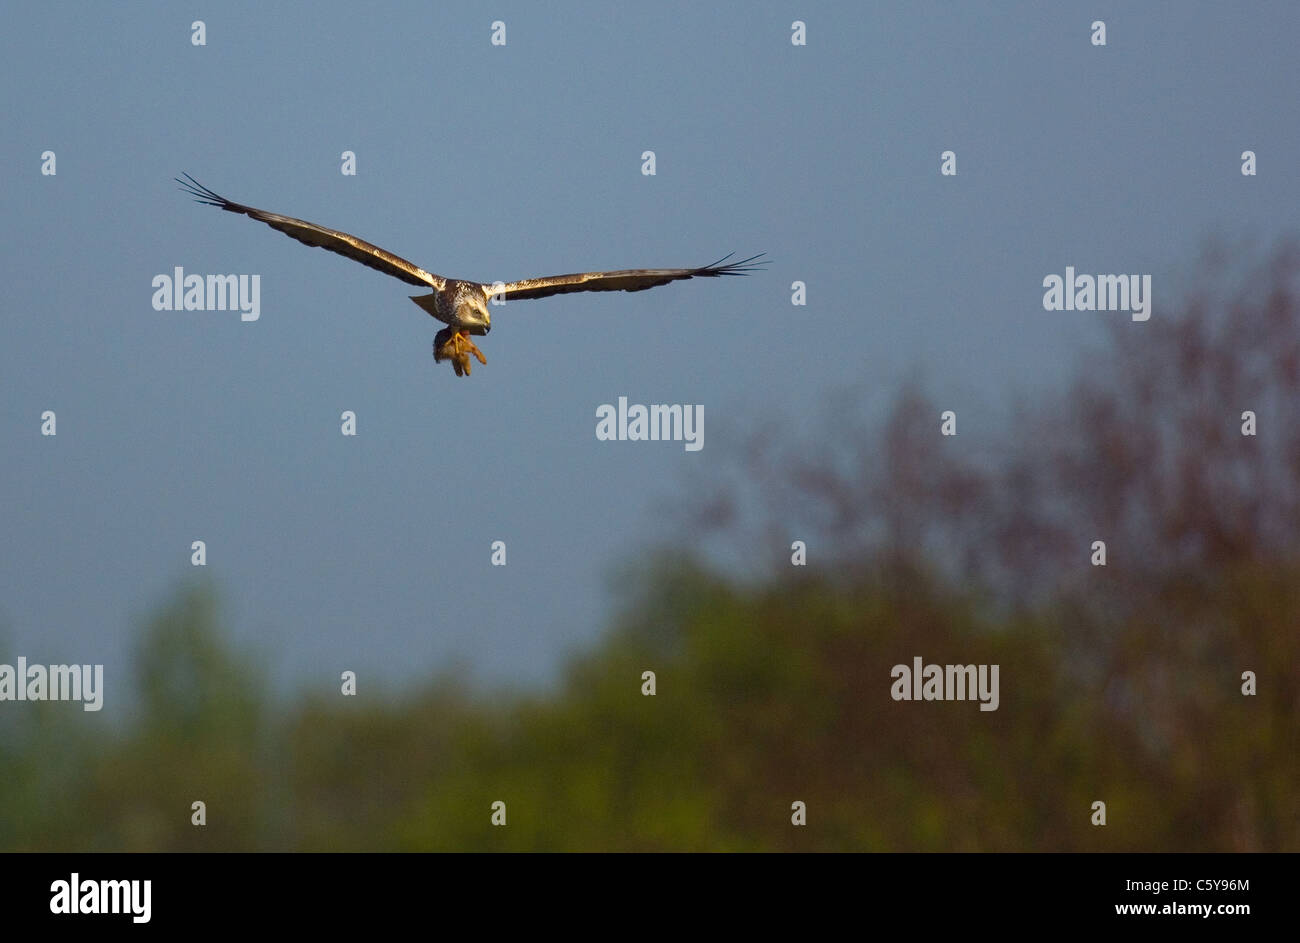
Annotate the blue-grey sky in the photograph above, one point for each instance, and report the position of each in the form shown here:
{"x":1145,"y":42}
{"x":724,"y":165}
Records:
{"x":486,"y":162}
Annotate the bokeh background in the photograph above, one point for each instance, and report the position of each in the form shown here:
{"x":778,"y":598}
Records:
{"x":522,"y":683}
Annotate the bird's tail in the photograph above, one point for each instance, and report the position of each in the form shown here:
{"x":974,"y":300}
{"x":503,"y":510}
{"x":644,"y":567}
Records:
{"x":428,"y":302}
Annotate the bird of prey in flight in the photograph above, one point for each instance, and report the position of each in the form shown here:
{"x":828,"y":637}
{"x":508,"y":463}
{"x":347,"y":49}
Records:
{"x":460,"y":304}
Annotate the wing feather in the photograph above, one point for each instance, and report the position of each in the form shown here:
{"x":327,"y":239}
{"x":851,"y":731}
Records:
{"x":310,"y":234}
{"x":637,"y":279}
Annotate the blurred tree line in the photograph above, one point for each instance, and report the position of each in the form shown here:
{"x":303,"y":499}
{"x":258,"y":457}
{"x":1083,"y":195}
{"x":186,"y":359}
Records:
{"x":1119,"y":683}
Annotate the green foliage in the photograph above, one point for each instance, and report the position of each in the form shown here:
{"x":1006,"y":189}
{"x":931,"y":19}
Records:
{"x":764,"y":696}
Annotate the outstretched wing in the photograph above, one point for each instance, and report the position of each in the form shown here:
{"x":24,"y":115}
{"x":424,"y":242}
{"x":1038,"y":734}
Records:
{"x":636,"y":279}
{"x":356,"y":249}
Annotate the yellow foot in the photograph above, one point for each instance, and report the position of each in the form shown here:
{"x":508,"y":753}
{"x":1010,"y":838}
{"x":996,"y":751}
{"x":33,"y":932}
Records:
{"x":457,"y":349}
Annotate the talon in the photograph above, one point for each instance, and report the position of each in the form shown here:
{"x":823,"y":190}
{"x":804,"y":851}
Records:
{"x":457,"y":348}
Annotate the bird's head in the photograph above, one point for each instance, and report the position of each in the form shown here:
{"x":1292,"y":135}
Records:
{"x":480,"y":322}
{"x":472,"y":311}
